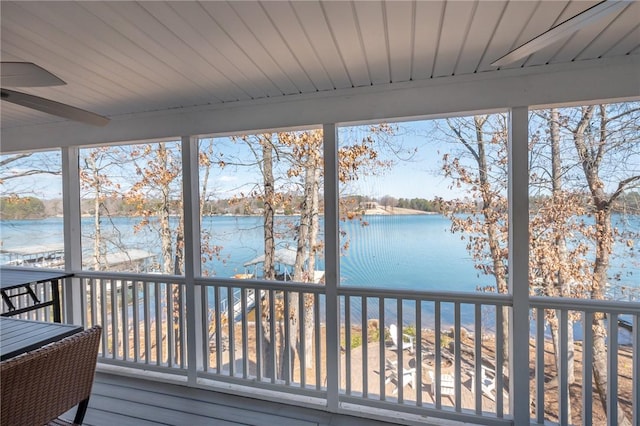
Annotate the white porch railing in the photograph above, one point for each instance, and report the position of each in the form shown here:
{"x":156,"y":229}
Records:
{"x":623,"y":365}
{"x":448,"y":336}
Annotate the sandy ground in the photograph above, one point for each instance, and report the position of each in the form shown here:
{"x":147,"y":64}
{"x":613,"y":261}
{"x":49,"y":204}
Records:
{"x":365,"y":377}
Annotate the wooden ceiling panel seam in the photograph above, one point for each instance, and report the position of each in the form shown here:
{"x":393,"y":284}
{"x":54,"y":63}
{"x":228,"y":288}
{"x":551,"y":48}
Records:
{"x":481,"y":30}
{"x":233,"y":25}
{"x":241,"y":57}
{"x":50,"y":27}
{"x":400,"y":16}
{"x":144,"y":43}
{"x":465,"y":38}
{"x":106,"y":90}
{"x":372,"y":39}
{"x":286,"y":19}
{"x":163,"y":46}
{"x":507,"y":31}
{"x":309,"y":83}
{"x":627,"y":43}
{"x":271,"y":46}
{"x":199,"y":66}
{"x":143,"y":67}
{"x":458,"y":15}
{"x":341,"y":22}
{"x":319,"y":34}
{"x":443,"y":12}
{"x":137,"y":51}
{"x":425,"y":38}
{"x":191,"y":38}
{"x":26,"y":40}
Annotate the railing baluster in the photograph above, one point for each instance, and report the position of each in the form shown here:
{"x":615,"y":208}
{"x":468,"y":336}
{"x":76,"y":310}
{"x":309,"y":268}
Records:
{"x":457,"y":357}
{"x":563,"y":384}
{"x":243,"y":324}
{"x":125,"y":320}
{"x":400,"y":340}
{"x":612,"y":370}
{"x":171,"y":352}
{"x":418,"y":352}
{"x":303,"y":340}
{"x":181,"y":326}
{"x":136,"y":319}
{"x":587,"y":365}
{"x":381,"y":345}
{"x":105,"y":322}
{"x":158,"y":321}
{"x":500,"y":341}
{"x":114,"y":319}
{"x":435,"y":383}
{"x":272,"y":336}
{"x":364,"y":337}
{"x":231,"y":349}
{"x":258,"y":329}
{"x":206,"y":329}
{"x":635,"y":402}
{"x":316,"y":321}
{"x":147,"y":322}
{"x":287,"y":338}
{"x":347,"y":343}
{"x":477,"y":389}
{"x":540,"y":340}
{"x":217,"y":329}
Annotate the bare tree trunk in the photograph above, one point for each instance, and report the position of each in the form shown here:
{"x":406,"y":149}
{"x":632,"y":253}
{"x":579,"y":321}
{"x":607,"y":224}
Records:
{"x":562,"y":283}
{"x":97,"y":241}
{"x":492,"y":221}
{"x":269,"y":351}
{"x":309,"y":326}
{"x":163,"y":217}
{"x":591,"y":158}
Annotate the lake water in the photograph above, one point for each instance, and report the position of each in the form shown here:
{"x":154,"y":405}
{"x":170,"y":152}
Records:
{"x":415,"y":252}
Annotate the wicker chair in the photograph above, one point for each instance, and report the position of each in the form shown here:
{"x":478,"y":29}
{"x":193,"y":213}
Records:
{"x":39,"y":386}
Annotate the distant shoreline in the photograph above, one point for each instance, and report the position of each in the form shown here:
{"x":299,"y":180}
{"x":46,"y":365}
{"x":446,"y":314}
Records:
{"x":395,"y":211}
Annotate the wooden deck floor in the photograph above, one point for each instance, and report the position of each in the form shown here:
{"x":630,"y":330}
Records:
{"x":117,"y":400}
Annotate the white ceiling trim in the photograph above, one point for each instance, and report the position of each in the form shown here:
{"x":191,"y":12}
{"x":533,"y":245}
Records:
{"x":598,"y":80}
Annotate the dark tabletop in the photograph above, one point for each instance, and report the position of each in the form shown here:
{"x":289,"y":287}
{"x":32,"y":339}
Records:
{"x":19,"y":336}
{"x":18,"y":277}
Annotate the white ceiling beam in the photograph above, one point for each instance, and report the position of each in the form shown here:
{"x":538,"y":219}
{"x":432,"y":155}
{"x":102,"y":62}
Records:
{"x":579,"y":82}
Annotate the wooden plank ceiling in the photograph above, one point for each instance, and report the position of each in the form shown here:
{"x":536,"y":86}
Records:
{"x":130,"y":57}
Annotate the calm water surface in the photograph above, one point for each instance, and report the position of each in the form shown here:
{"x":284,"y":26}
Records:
{"x":416,"y":252}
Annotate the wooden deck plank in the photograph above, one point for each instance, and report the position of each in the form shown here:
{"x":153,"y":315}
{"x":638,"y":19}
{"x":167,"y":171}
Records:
{"x":134,"y":401}
{"x":214,"y":411}
{"x":97,"y":417}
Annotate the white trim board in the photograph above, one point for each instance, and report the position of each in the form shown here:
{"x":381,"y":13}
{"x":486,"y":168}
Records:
{"x":574,"y":83}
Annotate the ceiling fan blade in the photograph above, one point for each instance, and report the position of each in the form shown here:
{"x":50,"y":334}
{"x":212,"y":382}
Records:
{"x":26,"y":74}
{"x":54,"y":108}
{"x":562,"y":30}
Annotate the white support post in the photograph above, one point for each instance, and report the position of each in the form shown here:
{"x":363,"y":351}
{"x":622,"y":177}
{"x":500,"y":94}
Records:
{"x":192,"y":269}
{"x":332,"y":263}
{"x":519,"y":265}
{"x":73,"y":293}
